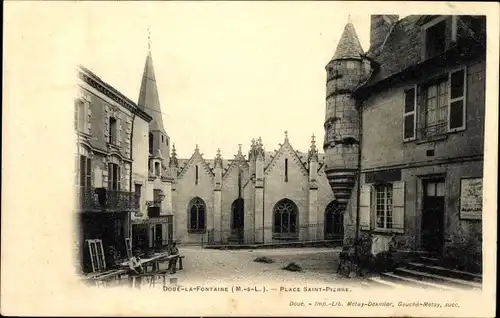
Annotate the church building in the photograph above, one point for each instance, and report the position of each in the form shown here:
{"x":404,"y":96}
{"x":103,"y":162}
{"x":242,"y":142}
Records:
{"x":258,"y":196}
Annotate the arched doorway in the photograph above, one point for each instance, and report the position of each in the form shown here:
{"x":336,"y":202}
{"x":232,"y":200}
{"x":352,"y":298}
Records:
{"x":238,"y":218}
{"x":285,"y":219}
{"x":334,"y":221}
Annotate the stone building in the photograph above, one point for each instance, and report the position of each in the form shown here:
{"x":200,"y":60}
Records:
{"x":106,"y":161}
{"x":404,"y":134}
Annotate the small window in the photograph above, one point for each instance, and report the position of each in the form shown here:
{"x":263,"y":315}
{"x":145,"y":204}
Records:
{"x":196,"y":176}
{"x":151,"y":141}
{"x":112,"y":130}
{"x":157,"y":169}
{"x":162,"y":139}
{"x":138,"y":189}
{"x":286,"y":170}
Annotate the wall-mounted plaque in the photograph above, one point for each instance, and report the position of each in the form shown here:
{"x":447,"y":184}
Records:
{"x":471,"y":198}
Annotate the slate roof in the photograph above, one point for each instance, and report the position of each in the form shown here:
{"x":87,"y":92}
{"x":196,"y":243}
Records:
{"x":149,"y":100}
{"x":348,"y":46}
{"x":401,"y":49}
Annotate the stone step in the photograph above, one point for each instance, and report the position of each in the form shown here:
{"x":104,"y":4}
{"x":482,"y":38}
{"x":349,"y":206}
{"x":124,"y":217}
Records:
{"x":405,"y":280}
{"x":379,"y":282}
{"x":437,"y":278}
{"x":428,"y":260}
{"x":443,"y":271}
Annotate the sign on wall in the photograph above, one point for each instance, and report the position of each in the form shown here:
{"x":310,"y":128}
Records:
{"x":471,"y":198}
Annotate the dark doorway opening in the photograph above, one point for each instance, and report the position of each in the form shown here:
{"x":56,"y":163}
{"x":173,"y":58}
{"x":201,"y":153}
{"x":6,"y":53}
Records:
{"x":334,"y":221}
{"x":432,"y":232}
{"x":238,"y":218}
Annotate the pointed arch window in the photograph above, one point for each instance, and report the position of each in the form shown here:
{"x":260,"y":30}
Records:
{"x":334,"y":221}
{"x":285,"y":215}
{"x":197,"y":215}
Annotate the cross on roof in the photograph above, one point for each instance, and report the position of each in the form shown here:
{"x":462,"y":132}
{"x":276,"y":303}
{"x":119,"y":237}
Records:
{"x":149,"y":39}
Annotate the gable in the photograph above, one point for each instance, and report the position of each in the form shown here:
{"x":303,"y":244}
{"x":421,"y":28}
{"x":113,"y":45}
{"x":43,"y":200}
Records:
{"x":196,"y":160}
{"x":233,"y":166}
{"x":286,"y":152}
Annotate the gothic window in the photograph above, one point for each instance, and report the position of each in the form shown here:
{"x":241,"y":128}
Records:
{"x":151,"y":139}
{"x":285,"y":214}
{"x":334,"y":221}
{"x":196,"y":215}
{"x":112,"y":130}
{"x":114,"y":177}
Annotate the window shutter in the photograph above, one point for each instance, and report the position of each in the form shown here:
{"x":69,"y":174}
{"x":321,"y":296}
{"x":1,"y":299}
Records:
{"x":118,"y":132}
{"x":410,"y":117}
{"x":151,"y":234}
{"x":77,"y":111}
{"x":398,"y":206}
{"x":457,"y":100}
{"x":88,"y":117}
{"x":364,"y":207}
{"x":110,"y":176}
{"x":118,"y":177}
{"x":164,"y":233}
{"x":88,"y":176}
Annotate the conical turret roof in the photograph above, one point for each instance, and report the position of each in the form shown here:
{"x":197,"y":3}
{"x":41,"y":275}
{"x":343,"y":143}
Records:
{"x":148,"y":96}
{"x":349,"y":46}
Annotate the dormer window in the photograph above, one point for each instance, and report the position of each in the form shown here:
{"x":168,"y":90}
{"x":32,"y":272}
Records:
{"x":435,"y":39}
{"x":438,"y":35}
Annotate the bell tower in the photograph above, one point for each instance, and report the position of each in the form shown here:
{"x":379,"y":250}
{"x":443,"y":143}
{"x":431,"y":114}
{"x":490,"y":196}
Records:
{"x":159,"y":141}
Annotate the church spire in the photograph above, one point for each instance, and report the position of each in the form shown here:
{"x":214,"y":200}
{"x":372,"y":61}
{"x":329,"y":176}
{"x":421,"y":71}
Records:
{"x":149,"y":100}
{"x":348,"y":46}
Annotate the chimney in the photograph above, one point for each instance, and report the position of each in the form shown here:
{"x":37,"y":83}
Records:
{"x":380,"y":27}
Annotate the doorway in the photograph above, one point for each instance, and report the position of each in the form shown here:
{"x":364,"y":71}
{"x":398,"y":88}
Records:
{"x":432,"y":232}
{"x":238,"y":218}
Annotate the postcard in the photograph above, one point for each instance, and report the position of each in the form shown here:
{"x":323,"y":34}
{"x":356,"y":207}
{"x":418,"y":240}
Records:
{"x":250,"y":158}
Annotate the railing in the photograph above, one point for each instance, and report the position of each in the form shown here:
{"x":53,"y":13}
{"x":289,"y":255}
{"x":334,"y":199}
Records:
{"x":435,"y":130}
{"x":307,"y":233}
{"x":101,"y":199}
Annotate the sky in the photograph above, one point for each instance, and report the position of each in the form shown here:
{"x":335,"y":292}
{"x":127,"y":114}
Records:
{"x":226,"y":72}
